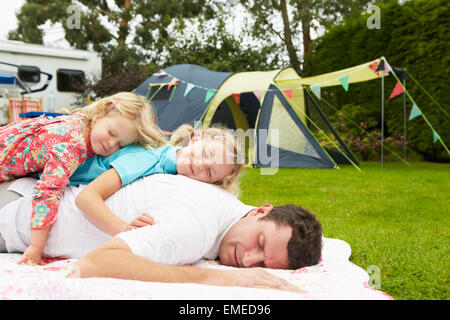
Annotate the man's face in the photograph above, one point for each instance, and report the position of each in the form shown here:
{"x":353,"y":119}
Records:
{"x":251,"y":242}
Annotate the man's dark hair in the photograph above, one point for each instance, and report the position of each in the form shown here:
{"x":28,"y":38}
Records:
{"x":305,"y":245}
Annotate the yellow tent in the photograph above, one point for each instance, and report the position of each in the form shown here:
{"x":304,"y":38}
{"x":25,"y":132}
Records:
{"x":272,"y":103}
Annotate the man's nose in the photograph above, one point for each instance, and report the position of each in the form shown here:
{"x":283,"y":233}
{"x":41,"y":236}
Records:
{"x":252,"y":258}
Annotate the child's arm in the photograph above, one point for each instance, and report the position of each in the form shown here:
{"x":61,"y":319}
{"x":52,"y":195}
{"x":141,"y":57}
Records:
{"x":45,"y":201}
{"x":91,"y":202}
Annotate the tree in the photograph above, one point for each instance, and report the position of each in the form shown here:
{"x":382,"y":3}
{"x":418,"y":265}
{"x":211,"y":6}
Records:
{"x":298,"y":19}
{"x":211,"y":45}
{"x":109,"y":27}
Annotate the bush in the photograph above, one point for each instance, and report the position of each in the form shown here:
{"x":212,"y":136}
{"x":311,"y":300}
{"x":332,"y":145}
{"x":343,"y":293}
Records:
{"x":109,"y":84}
{"x":358,"y":130}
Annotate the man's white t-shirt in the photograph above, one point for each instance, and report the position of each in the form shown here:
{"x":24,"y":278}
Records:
{"x":191,"y":218}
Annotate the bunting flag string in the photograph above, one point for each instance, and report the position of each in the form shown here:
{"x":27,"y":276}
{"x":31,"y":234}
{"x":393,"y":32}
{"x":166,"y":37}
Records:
{"x":377,"y":66}
{"x":189,"y":86}
{"x":416,"y":112}
{"x":258,"y":93}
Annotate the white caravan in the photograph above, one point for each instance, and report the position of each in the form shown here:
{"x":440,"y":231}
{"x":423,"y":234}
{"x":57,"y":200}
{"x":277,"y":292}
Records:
{"x":33,"y":63}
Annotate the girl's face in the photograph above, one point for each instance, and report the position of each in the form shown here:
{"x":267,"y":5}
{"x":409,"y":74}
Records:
{"x":204,"y":160}
{"x":112,"y":133}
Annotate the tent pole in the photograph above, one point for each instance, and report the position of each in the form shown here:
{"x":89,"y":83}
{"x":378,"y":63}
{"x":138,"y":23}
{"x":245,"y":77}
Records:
{"x":404,"y":120}
{"x":382,"y":117}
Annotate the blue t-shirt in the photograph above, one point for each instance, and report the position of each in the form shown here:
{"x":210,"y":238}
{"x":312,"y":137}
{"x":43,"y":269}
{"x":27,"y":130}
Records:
{"x":131,"y":162}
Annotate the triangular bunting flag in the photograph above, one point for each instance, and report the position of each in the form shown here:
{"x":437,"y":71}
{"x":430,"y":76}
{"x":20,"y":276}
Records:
{"x":387,"y":68}
{"x":258,"y":94}
{"x":189,"y":87}
{"x":415,"y":112}
{"x":397,"y":90}
{"x":288,"y":93}
{"x":209,"y":94}
{"x":374,"y":66}
{"x":316,"y":90}
{"x":172,"y":82}
{"x":344,"y":81}
{"x":160,"y":73}
{"x":436,"y":137}
{"x":380,"y":66}
{"x":237,"y":98}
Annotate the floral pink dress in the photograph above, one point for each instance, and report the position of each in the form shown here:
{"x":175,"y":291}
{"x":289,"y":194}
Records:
{"x":55,"y":147}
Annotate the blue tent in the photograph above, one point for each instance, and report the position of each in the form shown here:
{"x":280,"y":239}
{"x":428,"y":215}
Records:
{"x":178,"y":109}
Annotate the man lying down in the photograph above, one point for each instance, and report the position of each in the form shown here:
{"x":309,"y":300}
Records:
{"x":193,"y":220}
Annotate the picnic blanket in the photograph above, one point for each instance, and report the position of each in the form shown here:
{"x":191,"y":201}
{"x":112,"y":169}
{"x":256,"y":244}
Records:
{"x":334,"y":277}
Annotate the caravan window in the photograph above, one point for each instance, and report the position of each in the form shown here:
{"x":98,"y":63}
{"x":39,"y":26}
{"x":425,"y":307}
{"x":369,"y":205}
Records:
{"x":68,"y":79}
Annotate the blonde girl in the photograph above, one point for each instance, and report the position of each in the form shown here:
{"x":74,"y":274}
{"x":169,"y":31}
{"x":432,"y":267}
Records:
{"x":210,"y":155}
{"x":56,"y":147}
{"x":199,"y":142}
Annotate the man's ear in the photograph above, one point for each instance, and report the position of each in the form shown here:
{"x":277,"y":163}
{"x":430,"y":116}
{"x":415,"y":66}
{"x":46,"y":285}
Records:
{"x":262,"y":210}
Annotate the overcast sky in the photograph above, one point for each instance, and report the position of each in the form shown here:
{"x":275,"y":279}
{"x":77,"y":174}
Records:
{"x":8,"y":19}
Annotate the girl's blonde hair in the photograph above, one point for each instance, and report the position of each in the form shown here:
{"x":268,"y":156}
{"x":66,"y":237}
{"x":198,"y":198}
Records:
{"x":129,"y":106}
{"x":185,"y":133}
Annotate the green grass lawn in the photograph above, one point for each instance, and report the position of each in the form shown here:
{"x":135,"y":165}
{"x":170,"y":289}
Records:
{"x":396,"y":218}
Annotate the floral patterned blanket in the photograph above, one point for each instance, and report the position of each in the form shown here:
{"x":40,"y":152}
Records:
{"x":335,"y":277}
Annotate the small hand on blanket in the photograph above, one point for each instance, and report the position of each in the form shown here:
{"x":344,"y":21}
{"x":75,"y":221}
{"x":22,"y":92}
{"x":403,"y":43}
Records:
{"x":32,"y":256}
{"x":143,"y":220}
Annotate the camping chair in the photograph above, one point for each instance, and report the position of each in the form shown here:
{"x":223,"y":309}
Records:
{"x":18,"y":105}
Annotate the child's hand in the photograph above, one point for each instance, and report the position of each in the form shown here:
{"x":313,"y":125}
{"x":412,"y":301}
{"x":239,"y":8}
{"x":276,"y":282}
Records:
{"x":32,"y":256}
{"x":141,"y":221}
